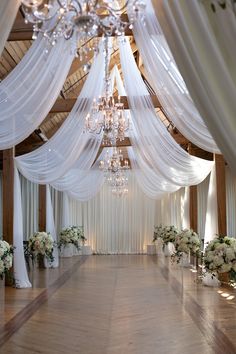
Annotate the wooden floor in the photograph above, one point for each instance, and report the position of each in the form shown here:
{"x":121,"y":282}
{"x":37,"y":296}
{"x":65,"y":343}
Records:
{"x":122,"y":305}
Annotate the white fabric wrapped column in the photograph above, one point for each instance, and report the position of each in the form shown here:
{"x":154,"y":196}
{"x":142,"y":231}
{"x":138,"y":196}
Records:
{"x":65,"y":210}
{"x":50,"y":227}
{"x":8,"y":11}
{"x":185,"y":211}
{"x":20,"y":271}
{"x":202,"y":197}
{"x":231,"y":203}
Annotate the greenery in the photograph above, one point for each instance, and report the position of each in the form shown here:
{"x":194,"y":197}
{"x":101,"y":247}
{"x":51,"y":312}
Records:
{"x":73,"y":235}
{"x":41,"y":244}
{"x":6,"y":257}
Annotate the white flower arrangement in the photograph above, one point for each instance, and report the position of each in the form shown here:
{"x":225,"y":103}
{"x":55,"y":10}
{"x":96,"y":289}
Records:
{"x":220,"y":256}
{"x":186,"y":242}
{"x":158,"y":231}
{"x":168,"y":234}
{"x":6,"y":257}
{"x":41,"y":243}
{"x":72,"y":234}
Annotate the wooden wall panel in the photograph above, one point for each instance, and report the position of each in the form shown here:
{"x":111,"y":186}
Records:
{"x":42,"y":207}
{"x":7,"y":194}
{"x":221,"y":194}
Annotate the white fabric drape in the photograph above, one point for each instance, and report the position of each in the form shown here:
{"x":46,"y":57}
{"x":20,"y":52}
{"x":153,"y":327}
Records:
{"x":65,"y":210}
{"x":211,"y":226}
{"x":150,"y":139}
{"x":29,"y":91}
{"x":8,"y":11}
{"x":231,"y":203}
{"x":20,"y":271}
{"x":62,"y":152}
{"x":202,"y":193}
{"x":167,"y":82}
{"x":50,"y":226}
{"x":116,"y":225}
{"x":203,"y":44}
{"x":185,"y":212}
{"x":29,"y":195}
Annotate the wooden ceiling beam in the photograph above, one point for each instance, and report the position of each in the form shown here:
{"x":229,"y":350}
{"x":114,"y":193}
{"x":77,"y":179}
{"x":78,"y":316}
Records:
{"x":22,"y":31}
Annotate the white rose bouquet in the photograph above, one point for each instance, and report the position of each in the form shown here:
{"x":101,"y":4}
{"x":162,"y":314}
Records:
{"x":41,"y":243}
{"x":220,"y":256}
{"x":72,"y":234}
{"x":188,"y":242}
{"x":169,"y":234}
{"x":158,"y":231}
{"x":6,"y":257}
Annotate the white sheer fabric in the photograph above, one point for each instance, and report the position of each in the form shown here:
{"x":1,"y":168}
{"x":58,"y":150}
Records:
{"x":116,"y":225}
{"x":203,"y":44}
{"x":50,"y":227}
{"x":52,"y":160}
{"x":167,"y":82}
{"x":230,"y":203}
{"x":29,"y":198}
{"x":202,"y":193}
{"x":150,"y":138}
{"x":8,"y":11}
{"x":185,"y":212}
{"x":20,"y":271}
{"x":29,"y":91}
{"x":211,"y":226}
{"x":65,"y":210}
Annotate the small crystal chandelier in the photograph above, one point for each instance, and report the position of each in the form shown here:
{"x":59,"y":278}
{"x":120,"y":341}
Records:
{"x":115,"y":169}
{"x":83,"y":19}
{"x":106,"y":114}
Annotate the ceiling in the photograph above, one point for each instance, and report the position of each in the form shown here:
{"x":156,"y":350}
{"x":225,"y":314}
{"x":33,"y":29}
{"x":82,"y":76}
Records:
{"x":19,"y":42}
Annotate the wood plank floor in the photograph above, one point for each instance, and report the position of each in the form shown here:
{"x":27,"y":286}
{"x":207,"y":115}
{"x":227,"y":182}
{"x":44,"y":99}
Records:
{"x":129,"y":305}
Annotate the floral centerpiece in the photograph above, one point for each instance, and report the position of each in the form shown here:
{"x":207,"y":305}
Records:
{"x":73,"y":235}
{"x":220,"y":257}
{"x":6,"y":257}
{"x":158,"y":230}
{"x":186,"y":242}
{"x":169,"y":234}
{"x":41,"y":244}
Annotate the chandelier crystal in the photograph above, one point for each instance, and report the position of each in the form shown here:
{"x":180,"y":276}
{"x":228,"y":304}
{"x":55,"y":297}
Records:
{"x":79,"y":18}
{"x":107,"y":114}
{"x":115,"y":169}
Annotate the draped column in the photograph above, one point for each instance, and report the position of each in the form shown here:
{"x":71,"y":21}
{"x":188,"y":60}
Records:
{"x":50,"y":227}
{"x":221,"y":194}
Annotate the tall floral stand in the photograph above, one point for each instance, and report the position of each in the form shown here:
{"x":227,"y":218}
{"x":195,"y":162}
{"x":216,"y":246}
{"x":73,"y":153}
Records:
{"x":185,"y":260}
{"x":168,"y":249}
{"x":67,"y":250}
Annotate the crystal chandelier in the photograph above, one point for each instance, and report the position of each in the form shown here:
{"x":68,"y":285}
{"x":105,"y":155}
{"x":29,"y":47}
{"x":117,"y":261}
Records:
{"x":106,"y":114}
{"x":80,"y":19}
{"x":115,"y":169}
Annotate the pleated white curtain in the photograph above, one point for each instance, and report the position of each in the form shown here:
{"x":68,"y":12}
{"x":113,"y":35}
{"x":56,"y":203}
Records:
{"x":202,"y":193}
{"x":167,"y":82}
{"x":116,"y":225}
{"x":231,"y":203}
{"x":29,"y":193}
{"x":211,"y":223}
{"x":20,"y":271}
{"x":203,"y":44}
{"x":50,"y":226}
{"x":8,"y":11}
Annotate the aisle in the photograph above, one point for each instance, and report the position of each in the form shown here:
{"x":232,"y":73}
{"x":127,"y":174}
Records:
{"x":127,"y":304}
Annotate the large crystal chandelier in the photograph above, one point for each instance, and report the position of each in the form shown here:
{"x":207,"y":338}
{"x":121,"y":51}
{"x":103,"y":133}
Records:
{"x":79,"y":18}
{"x":115,"y":169}
{"x":106,"y":114}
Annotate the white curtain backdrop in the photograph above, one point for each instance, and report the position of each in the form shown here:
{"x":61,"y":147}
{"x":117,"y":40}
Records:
{"x":211,"y":226}
{"x":202,"y":193}
{"x":167,"y":82}
{"x":203,"y":45}
{"x":20,"y":271}
{"x":116,"y":225}
{"x":50,"y":226}
{"x":29,"y":91}
{"x":8,"y":11}
{"x":29,"y":196}
{"x":231,"y":203}
{"x":185,"y":213}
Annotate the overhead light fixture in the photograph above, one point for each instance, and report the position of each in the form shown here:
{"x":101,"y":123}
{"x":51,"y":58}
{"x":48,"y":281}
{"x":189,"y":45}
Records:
{"x":80,"y":19}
